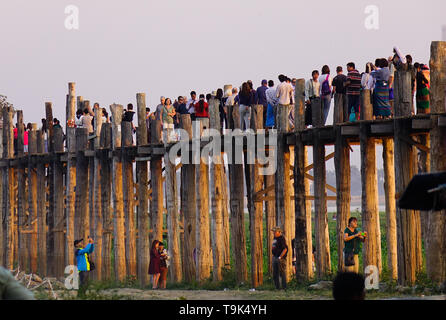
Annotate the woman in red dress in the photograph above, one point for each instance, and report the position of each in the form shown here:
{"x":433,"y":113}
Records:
{"x":154,"y":265}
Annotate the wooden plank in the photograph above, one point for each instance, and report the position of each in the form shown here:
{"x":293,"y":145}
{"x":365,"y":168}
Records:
{"x":442,"y":121}
{"x":350,"y":130}
{"x":382,"y":128}
{"x":422,"y":124}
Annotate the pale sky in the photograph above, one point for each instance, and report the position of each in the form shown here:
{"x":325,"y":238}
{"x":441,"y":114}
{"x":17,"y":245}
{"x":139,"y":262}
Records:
{"x":174,"y":46}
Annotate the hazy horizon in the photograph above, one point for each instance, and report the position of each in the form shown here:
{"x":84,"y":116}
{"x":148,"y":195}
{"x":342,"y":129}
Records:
{"x":172,"y":47}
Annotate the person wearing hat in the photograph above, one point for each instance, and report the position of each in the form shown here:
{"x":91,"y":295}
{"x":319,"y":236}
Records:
{"x":83,"y":263}
{"x":279,"y":250}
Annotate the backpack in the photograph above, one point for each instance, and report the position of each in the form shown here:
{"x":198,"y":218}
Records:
{"x":325,"y":90}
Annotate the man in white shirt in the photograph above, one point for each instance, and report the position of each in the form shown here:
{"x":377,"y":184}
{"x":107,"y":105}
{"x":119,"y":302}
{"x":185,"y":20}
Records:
{"x":190,"y":104}
{"x":284,"y":93}
{"x":312,"y":87}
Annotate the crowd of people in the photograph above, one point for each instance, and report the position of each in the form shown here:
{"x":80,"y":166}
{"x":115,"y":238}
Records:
{"x":377,"y":77}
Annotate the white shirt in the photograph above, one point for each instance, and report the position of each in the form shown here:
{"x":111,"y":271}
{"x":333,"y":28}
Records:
{"x":271,"y":96}
{"x":190,"y":107}
{"x":230,"y":100}
{"x":312,"y":89}
{"x":284,"y":92}
{"x":367,"y":81}
{"x":322,"y":78}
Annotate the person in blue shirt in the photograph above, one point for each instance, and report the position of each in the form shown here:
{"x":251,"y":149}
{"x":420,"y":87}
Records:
{"x":261,"y":93}
{"x":83,"y":263}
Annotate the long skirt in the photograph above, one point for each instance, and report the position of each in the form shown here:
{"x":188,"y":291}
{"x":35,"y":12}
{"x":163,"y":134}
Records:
{"x":270,"y":116}
{"x":381,"y":105}
{"x":423,"y":100}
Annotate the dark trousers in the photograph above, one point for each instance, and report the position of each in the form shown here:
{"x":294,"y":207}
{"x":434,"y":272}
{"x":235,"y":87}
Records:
{"x":353,"y":103}
{"x":279,"y":268}
{"x":83,"y":281}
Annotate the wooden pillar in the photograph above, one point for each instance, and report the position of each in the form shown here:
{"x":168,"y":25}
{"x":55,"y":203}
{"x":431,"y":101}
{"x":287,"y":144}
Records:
{"x":156,"y":175}
{"x":172,"y":221}
{"x":32,"y":197}
{"x":142,"y":178}
{"x":128,"y":197}
{"x":58,"y":206}
{"x":343,"y":185}
{"x":2,"y":198}
{"x":188,"y":205}
{"x":303,"y":240}
{"x":323,"y":265}
{"x":50,"y":182}
{"x":339,"y":113}
{"x":270,"y":209}
{"x":8,"y":191}
{"x":404,"y":170}
{"x":237,"y":204}
{"x":202,"y":238}
{"x":370,"y":211}
{"x":21,"y":196}
{"x":256,"y":212}
{"x":436,"y":249}
{"x":226,"y":245}
{"x":283,"y":184}
{"x":106,"y":210}
{"x":41,"y":207}
{"x":366,"y":105}
{"x":118,"y":205}
{"x":96,"y":209}
{"x":216,"y":177}
{"x":389,"y":190}
{"x":81,"y":221}
{"x":71,"y":174}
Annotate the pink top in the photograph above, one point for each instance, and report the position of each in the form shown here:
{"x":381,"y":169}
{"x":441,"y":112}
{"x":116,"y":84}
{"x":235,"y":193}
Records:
{"x":25,"y":138}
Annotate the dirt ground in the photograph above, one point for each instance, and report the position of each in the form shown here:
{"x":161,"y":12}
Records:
{"x":137,"y":294}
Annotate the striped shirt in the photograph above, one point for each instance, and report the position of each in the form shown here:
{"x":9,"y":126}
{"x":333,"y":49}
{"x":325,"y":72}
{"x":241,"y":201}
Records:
{"x":355,"y":83}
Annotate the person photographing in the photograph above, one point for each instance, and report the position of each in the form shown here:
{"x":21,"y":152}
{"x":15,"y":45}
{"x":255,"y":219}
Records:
{"x":84,"y":265}
{"x":353,"y":238}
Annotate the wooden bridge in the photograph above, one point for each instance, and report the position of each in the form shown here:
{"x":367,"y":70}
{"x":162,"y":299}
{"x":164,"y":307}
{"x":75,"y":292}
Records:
{"x":86,"y":185}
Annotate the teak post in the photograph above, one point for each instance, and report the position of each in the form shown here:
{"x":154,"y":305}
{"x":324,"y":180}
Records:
{"x":118,"y":205}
